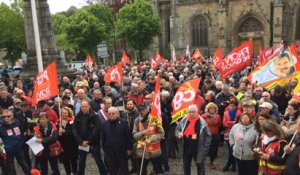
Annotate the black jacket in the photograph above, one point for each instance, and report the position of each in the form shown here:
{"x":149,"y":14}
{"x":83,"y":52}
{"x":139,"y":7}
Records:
{"x":22,"y":117}
{"x":130,"y":116}
{"x":68,"y":141}
{"x":87,"y":127}
{"x":116,"y":138}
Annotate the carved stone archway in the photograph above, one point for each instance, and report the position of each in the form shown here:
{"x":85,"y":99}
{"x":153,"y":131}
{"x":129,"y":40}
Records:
{"x":252,"y":28}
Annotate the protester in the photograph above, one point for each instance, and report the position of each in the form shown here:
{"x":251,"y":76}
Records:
{"x":117,"y":143}
{"x":292,"y":165}
{"x":196,"y":140}
{"x":86,"y":131}
{"x":46,"y":134}
{"x":271,"y":151}
{"x":13,"y":141}
{"x":149,"y":136}
{"x":288,"y":124}
{"x":241,"y":139}
{"x":66,"y":138}
{"x":213,"y":121}
{"x":129,"y":115}
{"x":230,"y":118}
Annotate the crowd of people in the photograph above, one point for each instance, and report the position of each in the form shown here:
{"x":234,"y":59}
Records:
{"x":260,"y":128}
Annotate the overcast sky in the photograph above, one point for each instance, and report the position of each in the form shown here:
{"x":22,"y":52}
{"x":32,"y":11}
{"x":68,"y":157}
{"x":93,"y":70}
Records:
{"x":58,"y":5}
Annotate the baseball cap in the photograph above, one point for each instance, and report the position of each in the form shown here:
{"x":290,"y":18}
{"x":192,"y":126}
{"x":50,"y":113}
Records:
{"x":266,"y":105}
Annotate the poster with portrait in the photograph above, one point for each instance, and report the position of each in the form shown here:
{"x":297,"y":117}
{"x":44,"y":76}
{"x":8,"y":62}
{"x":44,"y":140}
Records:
{"x":284,"y":66}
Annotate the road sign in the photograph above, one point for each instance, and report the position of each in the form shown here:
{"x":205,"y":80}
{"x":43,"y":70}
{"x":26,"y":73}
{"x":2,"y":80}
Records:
{"x":102,"y":50}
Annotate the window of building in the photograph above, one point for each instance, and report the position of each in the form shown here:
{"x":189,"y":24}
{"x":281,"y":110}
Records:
{"x":199,"y":31}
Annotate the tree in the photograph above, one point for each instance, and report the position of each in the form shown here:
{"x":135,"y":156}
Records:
{"x":12,"y":30}
{"x":138,"y":24}
{"x":85,"y":30}
{"x":60,"y":21}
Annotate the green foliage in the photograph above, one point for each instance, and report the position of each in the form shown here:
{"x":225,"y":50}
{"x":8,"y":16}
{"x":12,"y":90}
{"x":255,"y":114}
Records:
{"x":82,"y":29}
{"x":137,"y":23}
{"x":12,"y":31}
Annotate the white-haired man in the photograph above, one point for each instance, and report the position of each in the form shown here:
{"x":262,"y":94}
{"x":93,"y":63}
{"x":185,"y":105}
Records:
{"x":196,"y":140}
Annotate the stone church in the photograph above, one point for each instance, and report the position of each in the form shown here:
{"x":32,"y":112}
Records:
{"x":208,"y":24}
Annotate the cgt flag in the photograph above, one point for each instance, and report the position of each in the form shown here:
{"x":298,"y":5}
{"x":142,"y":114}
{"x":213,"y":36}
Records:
{"x":114,"y":74}
{"x":185,"y":96}
{"x":46,"y":84}
{"x":218,"y":59}
{"x":89,"y":62}
{"x":155,"y":114}
{"x":153,"y":63}
{"x":237,"y":59}
{"x":197,"y":56}
{"x":125,"y":58}
{"x":158,"y":57}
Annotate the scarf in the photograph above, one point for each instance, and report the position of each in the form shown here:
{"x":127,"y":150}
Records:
{"x":190,"y":129}
{"x":266,"y":140}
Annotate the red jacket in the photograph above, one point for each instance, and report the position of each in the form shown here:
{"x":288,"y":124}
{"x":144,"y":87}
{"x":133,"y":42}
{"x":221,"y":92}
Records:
{"x":213,"y":124}
{"x":138,"y":99}
{"x":227,"y":123}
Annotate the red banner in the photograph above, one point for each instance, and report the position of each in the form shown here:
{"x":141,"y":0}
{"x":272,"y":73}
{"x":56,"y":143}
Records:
{"x":89,"y":62}
{"x":218,"y":59}
{"x":154,"y":63}
{"x":158,"y":57}
{"x":114,"y":74}
{"x":125,"y":58}
{"x":185,"y":96}
{"x":45,"y":85}
{"x":237,"y":59}
{"x":197,"y":56}
{"x":155,"y":114}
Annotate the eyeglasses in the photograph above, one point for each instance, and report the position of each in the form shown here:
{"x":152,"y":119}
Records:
{"x":20,"y":93}
{"x":111,"y":113}
{"x":264,"y":96}
{"x":6,"y":116}
{"x":67,"y":92}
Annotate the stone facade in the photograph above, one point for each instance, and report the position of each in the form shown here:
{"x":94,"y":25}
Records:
{"x":227,"y":23}
{"x":48,"y":46}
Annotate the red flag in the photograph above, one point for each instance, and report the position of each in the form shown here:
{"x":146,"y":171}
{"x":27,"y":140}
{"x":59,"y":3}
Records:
{"x":89,"y":62}
{"x":270,"y":54}
{"x":154,"y":63}
{"x":158,"y":57}
{"x":174,"y":55}
{"x":185,"y":96}
{"x":125,"y":58}
{"x":181,"y":60}
{"x":237,"y":59}
{"x":218,"y":59}
{"x":155,"y":114}
{"x":46,"y":84}
{"x":261,"y":57}
{"x":197,"y":56}
{"x":114,"y":74}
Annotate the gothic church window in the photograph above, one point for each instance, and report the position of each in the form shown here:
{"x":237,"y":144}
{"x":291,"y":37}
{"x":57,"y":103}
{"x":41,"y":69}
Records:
{"x":251,"y":25}
{"x":199,"y":31}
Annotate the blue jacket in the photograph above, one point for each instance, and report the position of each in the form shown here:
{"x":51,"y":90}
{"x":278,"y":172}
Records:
{"x":11,"y":135}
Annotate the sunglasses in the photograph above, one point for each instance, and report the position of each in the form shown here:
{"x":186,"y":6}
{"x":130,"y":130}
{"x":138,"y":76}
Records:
{"x":6,"y":116}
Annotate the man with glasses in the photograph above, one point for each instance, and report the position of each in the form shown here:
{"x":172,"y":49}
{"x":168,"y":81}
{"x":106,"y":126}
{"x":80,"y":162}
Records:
{"x":117,"y":143}
{"x":13,"y":139}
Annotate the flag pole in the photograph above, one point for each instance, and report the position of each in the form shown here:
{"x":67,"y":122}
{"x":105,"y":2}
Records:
{"x":290,"y":142}
{"x":36,"y":36}
{"x":141,"y":169}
